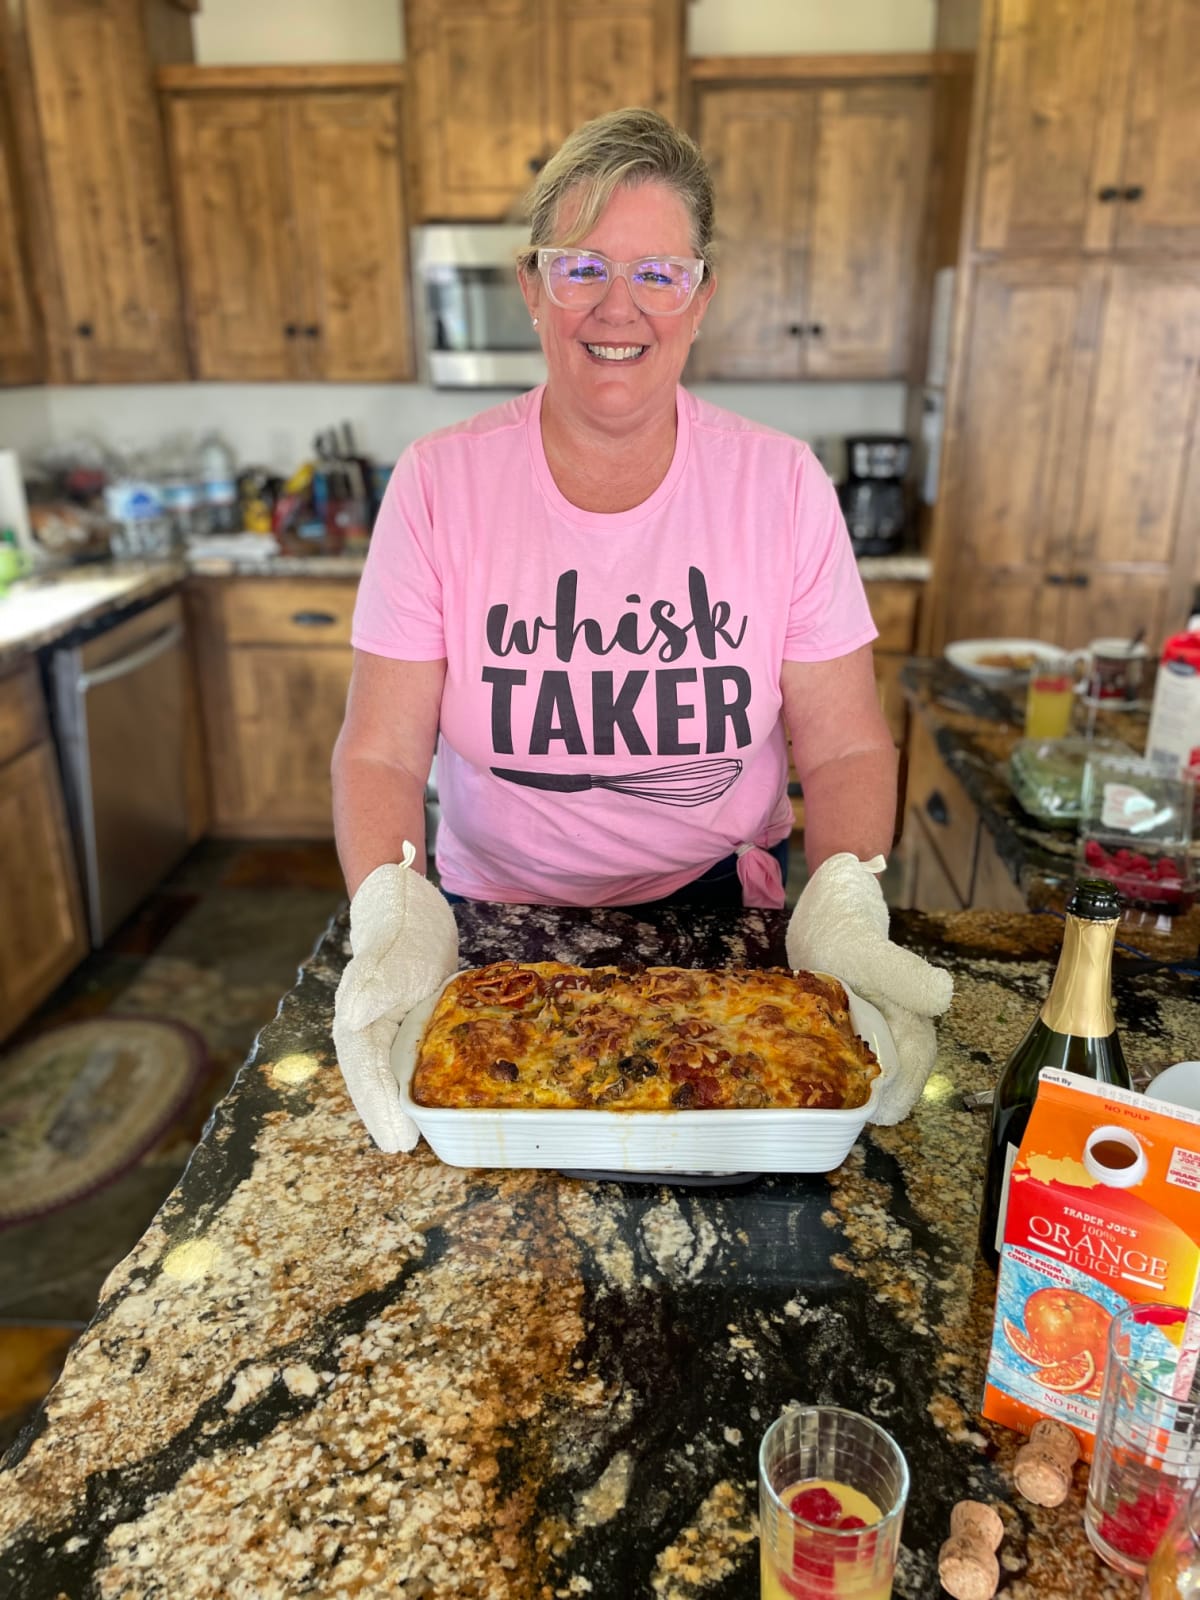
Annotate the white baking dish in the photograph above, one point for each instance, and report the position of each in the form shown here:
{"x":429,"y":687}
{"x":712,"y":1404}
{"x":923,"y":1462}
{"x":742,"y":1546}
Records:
{"x":743,"y":1140}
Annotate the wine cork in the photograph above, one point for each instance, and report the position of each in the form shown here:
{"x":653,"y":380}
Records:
{"x":967,"y":1569}
{"x":1041,"y":1477}
{"x":1057,"y":1440}
{"x":973,"y":1520}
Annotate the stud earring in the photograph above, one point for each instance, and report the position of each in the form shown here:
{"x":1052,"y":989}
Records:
{"x":535,"y":322}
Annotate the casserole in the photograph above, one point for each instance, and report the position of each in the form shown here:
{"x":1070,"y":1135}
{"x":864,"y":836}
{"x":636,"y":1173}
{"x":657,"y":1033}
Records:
{"x":683,"y":1141}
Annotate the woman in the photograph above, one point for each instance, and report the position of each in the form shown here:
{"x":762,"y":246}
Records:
{"x":610,"y":604}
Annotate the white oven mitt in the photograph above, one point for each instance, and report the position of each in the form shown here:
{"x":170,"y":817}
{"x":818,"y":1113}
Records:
{"x":840,"y":926}
{"x":404,"y":943}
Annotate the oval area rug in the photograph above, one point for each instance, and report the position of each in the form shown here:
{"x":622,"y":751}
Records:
{"x":79,"y":1104}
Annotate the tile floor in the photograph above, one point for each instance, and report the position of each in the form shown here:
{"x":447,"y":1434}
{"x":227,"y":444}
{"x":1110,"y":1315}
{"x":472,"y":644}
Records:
{"x":215,"y":947}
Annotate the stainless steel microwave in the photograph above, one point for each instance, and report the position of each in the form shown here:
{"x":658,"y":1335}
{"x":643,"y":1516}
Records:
{"x":474,"y":330}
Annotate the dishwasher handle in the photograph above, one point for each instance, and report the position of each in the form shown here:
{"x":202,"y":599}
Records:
{"x":121,"y":668}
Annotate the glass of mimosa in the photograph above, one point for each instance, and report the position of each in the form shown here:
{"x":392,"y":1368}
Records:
{"x":1050,"y":697}
{"x":832,"y":1487}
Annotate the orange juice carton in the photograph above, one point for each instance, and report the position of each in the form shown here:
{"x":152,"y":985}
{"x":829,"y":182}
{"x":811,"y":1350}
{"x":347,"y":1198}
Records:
{"x":1103,"y":1211}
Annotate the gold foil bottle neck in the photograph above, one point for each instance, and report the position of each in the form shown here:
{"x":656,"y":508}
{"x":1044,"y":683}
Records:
{"x":1080,"y":998}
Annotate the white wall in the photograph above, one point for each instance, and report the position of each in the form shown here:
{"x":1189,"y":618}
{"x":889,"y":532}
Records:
{"x":769,"y":27}
{"x":255,"y":32}
{"x":272,"y":424}
{"x":247,"y":31}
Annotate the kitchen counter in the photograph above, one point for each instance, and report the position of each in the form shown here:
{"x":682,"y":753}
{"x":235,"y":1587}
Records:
{"x":328,"y":1371}
{"x":41,"y":610}
{"x":975,"y":727}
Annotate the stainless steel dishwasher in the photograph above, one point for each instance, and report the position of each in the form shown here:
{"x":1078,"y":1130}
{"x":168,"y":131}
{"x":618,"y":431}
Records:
{"x":119,"y":722}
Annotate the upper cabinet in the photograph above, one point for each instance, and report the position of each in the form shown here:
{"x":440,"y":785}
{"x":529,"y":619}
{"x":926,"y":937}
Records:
{"x":93,"y":165}
{"x":496,"y":85}
{"x":1088,"y":127}
{"x":289,"y":197}
{"x":20,"y":346}
{"x":1073,"y":486}
{"x":821,"y":212}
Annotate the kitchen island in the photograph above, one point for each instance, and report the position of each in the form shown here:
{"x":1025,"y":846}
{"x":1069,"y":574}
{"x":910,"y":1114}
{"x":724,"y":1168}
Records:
{"x":327,"y":1371}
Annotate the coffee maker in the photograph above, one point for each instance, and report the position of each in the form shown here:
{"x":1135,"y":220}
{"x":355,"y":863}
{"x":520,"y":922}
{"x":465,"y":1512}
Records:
{"x":874,"y":497}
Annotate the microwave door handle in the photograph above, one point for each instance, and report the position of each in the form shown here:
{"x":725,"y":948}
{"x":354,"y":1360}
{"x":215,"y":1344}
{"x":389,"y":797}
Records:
{"x":121,"y":668}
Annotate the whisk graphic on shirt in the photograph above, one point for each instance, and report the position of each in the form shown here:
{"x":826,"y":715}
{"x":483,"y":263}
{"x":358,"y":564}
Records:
{"x":692,"y":783}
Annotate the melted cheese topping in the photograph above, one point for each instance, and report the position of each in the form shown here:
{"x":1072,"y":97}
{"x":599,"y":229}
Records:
{"x":543,"y":1034}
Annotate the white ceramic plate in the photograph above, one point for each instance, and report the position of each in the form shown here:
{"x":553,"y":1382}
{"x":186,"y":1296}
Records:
{"x":767,"y":1140}
{"x":972,"y":656}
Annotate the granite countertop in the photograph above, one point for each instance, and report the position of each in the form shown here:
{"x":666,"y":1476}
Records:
{"x":327,"y":1371}
{"x":975,"y":727}
{"x":39,"y":611}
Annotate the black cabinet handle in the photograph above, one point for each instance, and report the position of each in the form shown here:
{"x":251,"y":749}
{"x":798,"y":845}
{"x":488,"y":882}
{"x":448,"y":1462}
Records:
{"x":312,"y":330}
{"x":314,"y":619}
{"x":1056,"y":578}
{"x":1079,"y":580}
{"x":796,"y":329}
{"x":84,"y":330}
{"x":1134,"y":192}
{"x":536,"y":163}
{"x":937,"y":809}
{"x":1109,"y":193}
{"x":816,"y":329}
{"x":290,"y":330}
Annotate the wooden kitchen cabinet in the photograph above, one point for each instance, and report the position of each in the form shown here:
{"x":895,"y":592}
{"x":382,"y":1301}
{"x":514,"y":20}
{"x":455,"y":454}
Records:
{"x":895,"y":608}
{"x":274,"y":658}
{"x":950,"y":859}
{"x":1073,"y":491}
{"x":496,"y":85}
{"x":289,"y":193}
{"x":93,"y":173}
{"x":20,"y":342}
{"x":42,"y":932}
{"x":1090,"y":127}
{"x":820,"y":203}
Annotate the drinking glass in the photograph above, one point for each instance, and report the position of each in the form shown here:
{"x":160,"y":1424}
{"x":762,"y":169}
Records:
{"x":1147,"y":1451}
{"x":854,"y":1458}
{"x":1050,"y":697}
{"x":1175,"y":1567}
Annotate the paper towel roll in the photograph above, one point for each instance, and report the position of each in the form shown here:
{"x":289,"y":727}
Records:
{"x":14,"y":510}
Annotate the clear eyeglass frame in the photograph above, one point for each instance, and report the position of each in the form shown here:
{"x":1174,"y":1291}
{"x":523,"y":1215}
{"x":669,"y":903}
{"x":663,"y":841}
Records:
{"x":643,"y":298}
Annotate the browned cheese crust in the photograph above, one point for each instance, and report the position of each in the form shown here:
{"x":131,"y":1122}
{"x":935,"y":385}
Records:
{"x":541,"y":1034}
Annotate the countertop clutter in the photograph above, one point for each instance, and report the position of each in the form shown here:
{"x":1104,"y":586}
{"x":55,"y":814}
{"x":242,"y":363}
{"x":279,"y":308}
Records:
{"x":325,"y":1370}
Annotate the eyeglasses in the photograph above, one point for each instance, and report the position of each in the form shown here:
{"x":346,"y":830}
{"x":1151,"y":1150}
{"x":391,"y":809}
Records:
{"x":661,"y":286}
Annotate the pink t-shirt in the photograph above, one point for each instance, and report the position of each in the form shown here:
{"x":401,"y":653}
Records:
{"x":610,"y":724}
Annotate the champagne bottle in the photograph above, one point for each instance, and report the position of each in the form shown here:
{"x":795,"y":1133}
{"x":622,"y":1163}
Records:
{"x":1075,"y":1031}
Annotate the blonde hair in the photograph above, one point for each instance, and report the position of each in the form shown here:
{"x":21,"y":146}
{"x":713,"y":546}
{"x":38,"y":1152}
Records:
{"x":623,"y":148}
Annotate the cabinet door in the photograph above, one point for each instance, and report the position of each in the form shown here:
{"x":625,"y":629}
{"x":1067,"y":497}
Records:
{"x":347,"y":181}
{"x":1014,"y":460}
{"x":1053,"y":125}
{"x":109,"y":209}
{"x":20,"y":353}
{"x":231,"y":195}
{"x":41,"y":936}
{"x":480,"y":103}
{"x":19,"y":359}
{"x":1139,"y":514}
{"x":868,"y":213}
{"x":759,"y":143}
{"x":606,"y":54}
{"x":288,"y":706}
{"x":1161,"y":173}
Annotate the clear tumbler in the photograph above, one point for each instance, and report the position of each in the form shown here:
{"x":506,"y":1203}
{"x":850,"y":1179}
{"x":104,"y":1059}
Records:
{"x":1147,"y":1450}
{"x":813,"y":1459}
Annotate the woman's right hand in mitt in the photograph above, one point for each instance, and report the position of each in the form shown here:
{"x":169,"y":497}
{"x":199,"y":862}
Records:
{"x":404,"y":944}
